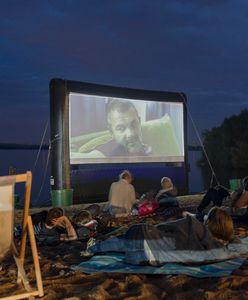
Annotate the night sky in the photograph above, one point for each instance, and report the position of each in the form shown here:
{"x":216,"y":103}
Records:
{"x":199,"y":47}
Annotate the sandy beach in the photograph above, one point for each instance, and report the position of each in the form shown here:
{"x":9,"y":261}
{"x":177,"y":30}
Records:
{"x":61,"y":282}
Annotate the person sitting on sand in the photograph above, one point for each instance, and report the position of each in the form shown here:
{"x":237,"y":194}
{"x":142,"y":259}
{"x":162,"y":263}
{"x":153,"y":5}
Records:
{"x":121,"y":195}
{"x":166,"y":197}
{"x":171,"y":241}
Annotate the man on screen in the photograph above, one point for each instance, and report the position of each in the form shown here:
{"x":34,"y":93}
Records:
{"x":125,"y":126}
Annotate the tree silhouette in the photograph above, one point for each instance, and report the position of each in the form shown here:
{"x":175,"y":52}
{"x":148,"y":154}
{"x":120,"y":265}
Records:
{"x":227,"y":145}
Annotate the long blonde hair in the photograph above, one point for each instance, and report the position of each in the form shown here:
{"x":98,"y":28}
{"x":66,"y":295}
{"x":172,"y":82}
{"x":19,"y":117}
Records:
{"x":220,"y":224}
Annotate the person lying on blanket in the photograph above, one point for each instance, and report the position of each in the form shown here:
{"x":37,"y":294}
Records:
{"x":47,"y":226}
{"x":54,"y":225}
{"x":220,"y":196}
{"x":184,"y":240}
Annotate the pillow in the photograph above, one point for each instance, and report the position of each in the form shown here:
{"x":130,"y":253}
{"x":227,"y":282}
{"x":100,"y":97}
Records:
{"x":80,"y":140}
{"x":91,"y":145}
{"x":91,"y":154}
{"x":161,"y":136}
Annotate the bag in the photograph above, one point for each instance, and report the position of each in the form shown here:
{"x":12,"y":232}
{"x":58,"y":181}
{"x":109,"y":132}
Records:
{"x":147,"y":207}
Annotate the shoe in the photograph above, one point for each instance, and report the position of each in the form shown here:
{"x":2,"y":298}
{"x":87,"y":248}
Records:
{"x":88,"y":252}
{"x":91,"y":242}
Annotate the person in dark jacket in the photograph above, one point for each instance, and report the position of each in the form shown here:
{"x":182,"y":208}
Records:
{"x":213,"y":196}
{"x":166,"y":197}
{"x":220,"y":196}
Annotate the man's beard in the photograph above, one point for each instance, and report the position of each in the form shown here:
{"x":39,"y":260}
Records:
{"x":134,"y":145}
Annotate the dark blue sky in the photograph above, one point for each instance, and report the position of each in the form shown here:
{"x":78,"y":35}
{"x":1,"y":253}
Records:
{"x":199,"y":47}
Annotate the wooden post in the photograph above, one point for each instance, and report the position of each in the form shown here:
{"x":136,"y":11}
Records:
{"x":35,"y":257}
{"x":25,"y":213}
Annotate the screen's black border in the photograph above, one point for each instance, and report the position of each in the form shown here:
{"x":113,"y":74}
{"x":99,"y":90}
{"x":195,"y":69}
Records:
{"x":59,"y":120}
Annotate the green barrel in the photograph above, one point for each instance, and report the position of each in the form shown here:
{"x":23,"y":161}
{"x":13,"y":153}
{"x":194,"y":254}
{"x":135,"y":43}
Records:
{"x":62,"y":197}
{"x":234,"y":184}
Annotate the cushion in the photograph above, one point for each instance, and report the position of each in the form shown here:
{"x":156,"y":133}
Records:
{"x":92,"y":144}
{"x":161,"y":136}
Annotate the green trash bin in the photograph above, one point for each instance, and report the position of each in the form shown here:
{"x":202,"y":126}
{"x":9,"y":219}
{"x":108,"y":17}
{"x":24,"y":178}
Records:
{"x":234,"y":184}
{"x":62,"y":197}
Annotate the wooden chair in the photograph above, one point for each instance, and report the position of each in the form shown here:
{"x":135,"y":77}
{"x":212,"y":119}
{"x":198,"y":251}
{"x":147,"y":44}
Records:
{"x":7,"y":187}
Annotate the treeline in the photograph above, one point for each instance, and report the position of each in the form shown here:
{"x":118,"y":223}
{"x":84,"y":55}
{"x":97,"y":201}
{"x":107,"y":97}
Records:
{"x":227,"y":145}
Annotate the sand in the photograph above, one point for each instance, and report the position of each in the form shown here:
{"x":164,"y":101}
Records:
{"x":60,"y":282}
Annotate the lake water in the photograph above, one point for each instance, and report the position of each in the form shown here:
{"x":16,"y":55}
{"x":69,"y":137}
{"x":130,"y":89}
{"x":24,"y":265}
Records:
{"x":24,"y":160}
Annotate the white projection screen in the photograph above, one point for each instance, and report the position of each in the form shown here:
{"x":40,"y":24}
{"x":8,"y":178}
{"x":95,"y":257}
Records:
{"x":98,"y":135}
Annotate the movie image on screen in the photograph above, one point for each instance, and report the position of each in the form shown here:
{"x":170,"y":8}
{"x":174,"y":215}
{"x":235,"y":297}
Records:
{"x":117,"y":130}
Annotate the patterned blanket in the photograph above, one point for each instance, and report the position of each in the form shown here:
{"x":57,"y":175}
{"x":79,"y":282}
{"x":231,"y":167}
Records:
{"x":115,"y":263}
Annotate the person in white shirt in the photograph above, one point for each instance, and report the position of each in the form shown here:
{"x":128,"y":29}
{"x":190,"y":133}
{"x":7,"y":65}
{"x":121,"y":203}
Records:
{"x":121,"y":195}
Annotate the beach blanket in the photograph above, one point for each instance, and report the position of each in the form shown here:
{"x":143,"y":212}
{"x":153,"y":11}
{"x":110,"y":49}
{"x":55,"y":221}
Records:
{"x":185,"y":241}
{"x":114,"y":262}
{"x":198,"y":265}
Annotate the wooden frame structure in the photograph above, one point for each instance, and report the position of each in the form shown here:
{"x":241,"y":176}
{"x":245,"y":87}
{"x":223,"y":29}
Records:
{"x":8,"y":183}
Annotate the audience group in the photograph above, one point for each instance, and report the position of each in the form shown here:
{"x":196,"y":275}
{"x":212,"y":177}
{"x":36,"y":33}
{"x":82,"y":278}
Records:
{"x":186,"y":232}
